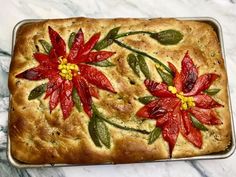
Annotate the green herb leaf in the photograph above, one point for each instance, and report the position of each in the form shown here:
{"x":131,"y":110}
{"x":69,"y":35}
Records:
{"x":198,"y":124}
{"x":37,"y":91}
{"x":46,"y":46}
{"x":154,"y":135}
{"x":167,"y":78}
{"x":93,"y":131}
{"x":143,"y":66}
{"x":103,"y":133}
{"x":168,"y":37}
{"x":146,"y":99}
{"x":108,"y":40}
{"x":104,"y":63}
{"x":76,"y":100}
{"x":211,"y":91}
{"x":133,"y":63}
{"x":71,"y":39}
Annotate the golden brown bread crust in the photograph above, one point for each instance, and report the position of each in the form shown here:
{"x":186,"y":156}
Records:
{"x":40,"y":137}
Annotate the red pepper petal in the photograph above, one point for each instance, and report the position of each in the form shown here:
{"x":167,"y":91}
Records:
{"x":57,"y":42}
{"x":95,"y":77}
{"x":53,"y":56}
{"x":94,"y":57}
{"x":83,"y":91}
{"x":170,"y":130}
{"x":151,"y":110}
{"x":205,"y":101}
{"x":66,"y":98}
{"x":192,"y":134}
{"x":44,"y":60}
{"x":206,"y":116}
{"x":202,"y":83}
{"x":160,"y":121}
{"x":54,"y":99}
{"x":158,"y":108}
{"x":37,"y":73}
{"x":170,"y":133}
{"x":76,"y":46}
{"x":186,"y":123}
{"x":158,"y":89}
{"x":54,"y":83}
{"x":177,"y":77}
{"x":88,"y":46}
{"x":93,"y":91}
{"x":189,"y":73}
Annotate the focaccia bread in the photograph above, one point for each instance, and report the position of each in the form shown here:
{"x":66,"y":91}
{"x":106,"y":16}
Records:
{"x":91,"y":91}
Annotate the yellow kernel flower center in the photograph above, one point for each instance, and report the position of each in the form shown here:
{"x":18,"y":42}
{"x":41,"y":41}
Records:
{"x":67,"y":70}
{"x":186,"y":102}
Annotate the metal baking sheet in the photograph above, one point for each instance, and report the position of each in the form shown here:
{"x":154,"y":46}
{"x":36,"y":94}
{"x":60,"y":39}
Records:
{"x":220,"y":155}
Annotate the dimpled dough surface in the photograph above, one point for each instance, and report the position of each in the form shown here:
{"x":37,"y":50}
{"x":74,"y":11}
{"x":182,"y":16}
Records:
{"x":38,"y":136}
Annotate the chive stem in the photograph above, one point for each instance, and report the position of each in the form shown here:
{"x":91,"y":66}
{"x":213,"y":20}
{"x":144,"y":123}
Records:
{"x":124,"y":128}
{"x":132,"y":33}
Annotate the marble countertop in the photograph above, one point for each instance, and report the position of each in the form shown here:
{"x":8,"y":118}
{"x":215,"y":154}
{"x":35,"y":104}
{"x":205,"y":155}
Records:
{"x":13,"y":11}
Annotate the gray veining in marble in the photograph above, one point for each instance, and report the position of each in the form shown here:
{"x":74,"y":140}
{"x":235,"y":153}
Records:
{"x":12,"y":11}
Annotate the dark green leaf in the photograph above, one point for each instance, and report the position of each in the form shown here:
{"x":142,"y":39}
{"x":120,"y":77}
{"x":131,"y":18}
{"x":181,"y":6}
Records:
{"x":71,"y":39}
{"x":37,"y":91}
{"x":143,"y":66}
{"x":167,"y":78}
{"x":93,"y":131}
{"x":103,"y":133}
{"x":76,"y":100}
{"x":212,"y":91}
{"x":168,"y":37}
{"x":108,"y":40}
{"x":198,"y":124}
{"x":133,"y":63}
{"x":146,"y":99}
{"x":104,"y":63}
{"x":46,"y":46}
{"x":154,"y":135}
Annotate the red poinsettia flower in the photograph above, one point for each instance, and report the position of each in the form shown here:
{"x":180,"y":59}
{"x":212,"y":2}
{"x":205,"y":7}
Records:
{"x":175,"y":104}
{"x":66,"y":71}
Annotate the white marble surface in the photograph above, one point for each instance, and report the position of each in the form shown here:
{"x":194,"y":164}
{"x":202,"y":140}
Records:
{"x":12,"y":11}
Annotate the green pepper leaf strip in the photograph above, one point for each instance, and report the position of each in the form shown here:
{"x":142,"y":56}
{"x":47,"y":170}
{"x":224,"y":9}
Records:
{"x":107,"y":40}
{"x":93,"y":131}
{"x":46,"y":46}
{"x":71,"y":39}
{"x":154,"y":135}
{"x":76,"y":100}
{"x":198,"y":124}
{"x":212,"y":91}
{"x":104,"y":63}
{"x":133,"y":63}
{"x":143,"y":66}
{"x":103,"y":133}
{"x":37,"y":91}
{"x":146,"y":99}
{"x":144,"y":54}
{"x":168,"y":37}
{"x":167,"y":78}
